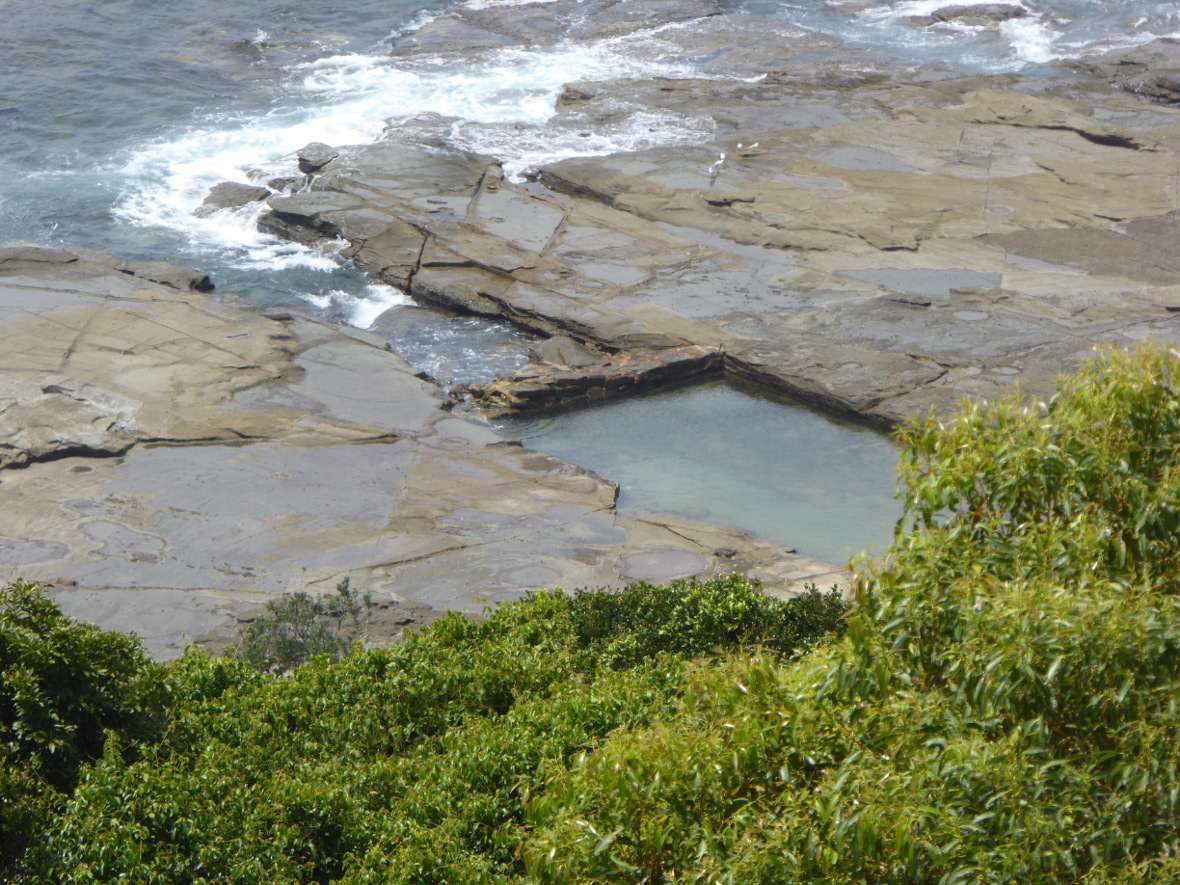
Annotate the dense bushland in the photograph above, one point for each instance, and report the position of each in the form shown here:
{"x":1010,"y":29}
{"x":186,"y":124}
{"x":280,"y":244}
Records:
{"x":1004,"y":707}
{"x":406,"y":764}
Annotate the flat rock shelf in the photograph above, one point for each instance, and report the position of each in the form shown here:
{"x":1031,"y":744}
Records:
{"x":875,"y":236}
{"x":171,"y":458}
{"x":871,"y":239}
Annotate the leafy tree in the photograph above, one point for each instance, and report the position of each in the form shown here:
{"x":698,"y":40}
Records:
{"x":64,"y":687}
{"x":299,"y":626}
{"x":1006,"y":706}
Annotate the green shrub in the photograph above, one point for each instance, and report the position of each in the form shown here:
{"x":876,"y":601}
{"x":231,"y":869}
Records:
{"x":299,"y":626}
{"x":412,"y":764}
{"x":691,"y":618}
{"x":64,"y":687}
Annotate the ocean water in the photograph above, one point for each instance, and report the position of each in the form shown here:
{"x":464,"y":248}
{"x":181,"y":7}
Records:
{"x":116,"y":116}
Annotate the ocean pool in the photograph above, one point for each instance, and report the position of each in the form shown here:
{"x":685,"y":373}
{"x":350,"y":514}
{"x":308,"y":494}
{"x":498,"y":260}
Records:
{"x":729,"y":452}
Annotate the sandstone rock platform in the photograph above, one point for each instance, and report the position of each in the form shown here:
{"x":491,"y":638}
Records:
{"x":172,"y":458}
{"x":874,"y":239}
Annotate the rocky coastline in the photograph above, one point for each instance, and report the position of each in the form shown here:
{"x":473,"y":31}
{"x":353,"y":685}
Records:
{"x":872,"y":238}
{"x":171,"y":458}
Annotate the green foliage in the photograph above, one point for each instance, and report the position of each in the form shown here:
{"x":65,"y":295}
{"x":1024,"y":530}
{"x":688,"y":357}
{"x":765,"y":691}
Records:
{"x":1085,"y":487}
{"x":64,"y":687}
{"x":1006,"y":706}
{"x":412,"y":764}
{"x":691,"y":618}
{"x":297,"y":627}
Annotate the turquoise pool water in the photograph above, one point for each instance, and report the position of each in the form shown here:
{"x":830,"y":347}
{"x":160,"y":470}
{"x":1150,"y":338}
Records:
{"x":731,"y":453}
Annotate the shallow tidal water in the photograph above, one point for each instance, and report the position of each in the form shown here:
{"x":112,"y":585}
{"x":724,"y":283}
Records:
{"x":732,"y":453}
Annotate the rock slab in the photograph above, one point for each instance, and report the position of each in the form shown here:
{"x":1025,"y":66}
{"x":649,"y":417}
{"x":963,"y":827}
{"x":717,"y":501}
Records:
{"x":875,"y":243}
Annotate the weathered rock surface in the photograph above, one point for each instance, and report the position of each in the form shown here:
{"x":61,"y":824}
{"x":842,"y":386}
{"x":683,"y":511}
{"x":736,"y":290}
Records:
{"x":315,"y":156}
{"x":872,"y":243}
{"x":563,"y":352}
{"x":976,"y":15}
{"x":537,"y":386}
{"x":230,"y":195}
{"x":1152,"y":70}
{"x":172,"y":459}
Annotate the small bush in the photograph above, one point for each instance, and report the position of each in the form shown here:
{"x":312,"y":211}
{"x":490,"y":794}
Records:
{"x":299,"y":626}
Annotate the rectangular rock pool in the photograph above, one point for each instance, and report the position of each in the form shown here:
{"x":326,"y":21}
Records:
{"x":732,"y":453}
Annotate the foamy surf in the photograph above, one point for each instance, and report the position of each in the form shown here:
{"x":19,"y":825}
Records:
{"x":1049,"y":30}
{"x":363,"y":309}
{"x":503,"y":104}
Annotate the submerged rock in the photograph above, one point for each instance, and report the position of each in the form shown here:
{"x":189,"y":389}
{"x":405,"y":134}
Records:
{"x":533,"y":24}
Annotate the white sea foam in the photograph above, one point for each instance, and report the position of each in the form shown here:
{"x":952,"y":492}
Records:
{"x":489,"y":4}
{"x":169,"y":179}
{"x":503,"y":101}
{"x":1050,"y":30}
{"x":1032,"y":40}
{"x":360,"y":308}
{"x":376,"y":298}
{"x":526,"y":147}
{"x":322,"y":300}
